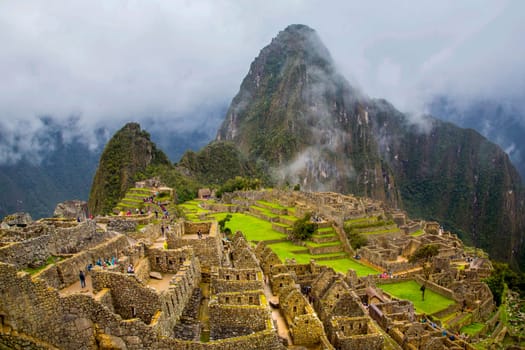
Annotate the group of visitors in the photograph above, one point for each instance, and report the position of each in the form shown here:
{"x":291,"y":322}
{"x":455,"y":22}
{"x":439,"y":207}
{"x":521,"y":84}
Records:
{"x":106,"y":262}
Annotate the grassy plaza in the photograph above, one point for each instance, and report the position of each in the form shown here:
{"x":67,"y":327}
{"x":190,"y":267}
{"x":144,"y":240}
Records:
{"x":410,"y":290}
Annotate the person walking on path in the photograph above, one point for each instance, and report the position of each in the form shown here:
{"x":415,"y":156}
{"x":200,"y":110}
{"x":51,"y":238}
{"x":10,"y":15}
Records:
{"x":82,"y":279}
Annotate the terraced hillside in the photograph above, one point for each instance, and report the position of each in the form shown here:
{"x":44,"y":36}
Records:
{"x":272,"y":222}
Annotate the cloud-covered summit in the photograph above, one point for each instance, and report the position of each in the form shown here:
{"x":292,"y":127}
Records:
{"x":102,"y":64}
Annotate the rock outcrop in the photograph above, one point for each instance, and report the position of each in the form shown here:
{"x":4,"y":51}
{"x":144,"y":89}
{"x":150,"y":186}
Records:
{"x":74,"y":209}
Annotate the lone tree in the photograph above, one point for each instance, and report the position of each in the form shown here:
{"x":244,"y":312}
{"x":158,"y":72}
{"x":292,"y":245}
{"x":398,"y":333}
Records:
{"x":303,"y":228}
{"x":222,"y":223}
{"x":423,"y":255}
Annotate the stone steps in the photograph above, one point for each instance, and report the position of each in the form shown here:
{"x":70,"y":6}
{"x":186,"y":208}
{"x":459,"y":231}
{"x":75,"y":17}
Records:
{"x":189,"y":327}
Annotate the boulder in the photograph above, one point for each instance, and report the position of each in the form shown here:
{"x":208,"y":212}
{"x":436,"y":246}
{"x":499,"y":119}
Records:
{"x":155,"y":275}
{"x":17,"y":219}
{"x":73,"y":209}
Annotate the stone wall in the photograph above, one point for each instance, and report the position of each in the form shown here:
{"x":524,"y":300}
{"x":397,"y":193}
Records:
{"x":34,"y":252}
{"x":65,"y":272}
{"x":222,"y":286}
{"x":208,"y":249}
{"x":244,"y":298}
{"x":31,"y":252}
{"x":170,"y":260}
{"x":130,"y":298}
{"x":385,"y":313}
{"x":234,"y":320}
{"x":359,"y":333}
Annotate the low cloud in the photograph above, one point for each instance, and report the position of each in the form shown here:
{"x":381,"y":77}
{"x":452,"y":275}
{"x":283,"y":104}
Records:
{"x":102,"y":64}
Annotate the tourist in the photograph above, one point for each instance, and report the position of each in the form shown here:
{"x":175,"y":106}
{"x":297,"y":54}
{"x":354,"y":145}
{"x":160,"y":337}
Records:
{"x":162,"y":230}
{"x":82,"y":279}
{"x":130,"y":268}
{"x":199,"y":234}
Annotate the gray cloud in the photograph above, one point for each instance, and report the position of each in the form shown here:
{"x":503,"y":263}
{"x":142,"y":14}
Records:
{"x":106,"y":63}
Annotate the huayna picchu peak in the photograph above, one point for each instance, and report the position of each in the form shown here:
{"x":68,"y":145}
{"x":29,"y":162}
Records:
{"x":297,"y":117}
{"x":129,"y":152}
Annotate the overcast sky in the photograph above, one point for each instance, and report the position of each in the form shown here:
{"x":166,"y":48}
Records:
{"x":109,"y":62}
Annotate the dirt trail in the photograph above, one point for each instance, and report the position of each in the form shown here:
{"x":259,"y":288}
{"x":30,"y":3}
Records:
{"x":75,"y":288}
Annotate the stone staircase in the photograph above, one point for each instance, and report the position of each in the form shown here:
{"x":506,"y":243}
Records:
{"x":189,"y":327}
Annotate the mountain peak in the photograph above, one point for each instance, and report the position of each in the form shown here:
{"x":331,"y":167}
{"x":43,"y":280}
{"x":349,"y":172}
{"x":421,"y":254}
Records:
{"x":129,"y":152}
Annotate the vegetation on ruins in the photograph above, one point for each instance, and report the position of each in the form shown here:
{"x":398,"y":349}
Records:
{"x":503,"y":275}
{"x":238,"y":184}
{"x":222,"y":223}
{"x":424,"y":253}
{"x":357,"y":240}
{"x":303,"y":228}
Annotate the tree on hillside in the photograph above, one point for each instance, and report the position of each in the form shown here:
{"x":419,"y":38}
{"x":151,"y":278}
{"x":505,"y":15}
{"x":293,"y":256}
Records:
{"x":237,"y":184}
{"x":357,"y":240}
{"x":424,"y":253}
{"x":303,"y":228}
{"x":222,"y":223}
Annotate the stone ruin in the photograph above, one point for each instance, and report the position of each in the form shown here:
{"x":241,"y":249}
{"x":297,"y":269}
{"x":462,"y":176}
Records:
{"x":122,"y":310}
{"x":215,"y":293}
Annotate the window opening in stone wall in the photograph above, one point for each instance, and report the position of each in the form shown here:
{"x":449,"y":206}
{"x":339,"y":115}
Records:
{"x":157,"y":260}
{"x":227,"y":277}
{"x":280,"y":285}
{"x":227,"y":300}
{"x":251,"y":300}
{"x":295,"y":309}
{"x":239,"y":300}
{"x":238,"y":277}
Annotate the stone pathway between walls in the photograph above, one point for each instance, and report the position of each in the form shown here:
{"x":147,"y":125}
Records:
{"x":277,"y":317}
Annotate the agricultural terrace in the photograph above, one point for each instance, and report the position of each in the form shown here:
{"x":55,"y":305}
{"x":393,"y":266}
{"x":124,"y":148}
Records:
{"x":256,"y":227}
{"x":410,"y":290}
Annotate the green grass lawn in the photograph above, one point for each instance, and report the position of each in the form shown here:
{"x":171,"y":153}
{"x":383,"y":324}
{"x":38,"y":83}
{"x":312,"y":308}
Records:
{"x":254,"y":229}
{"x":271,"y":204}
{"x":472,"y":329}
{"x":409,"y":290}
{"x":285,"y":250}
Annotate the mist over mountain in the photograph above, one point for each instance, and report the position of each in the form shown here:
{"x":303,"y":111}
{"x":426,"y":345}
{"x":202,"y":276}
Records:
{"x":62,"y":173}
{"x":502,"y":122}
{"x":54,"y":162}
{"x":298,"y":118}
